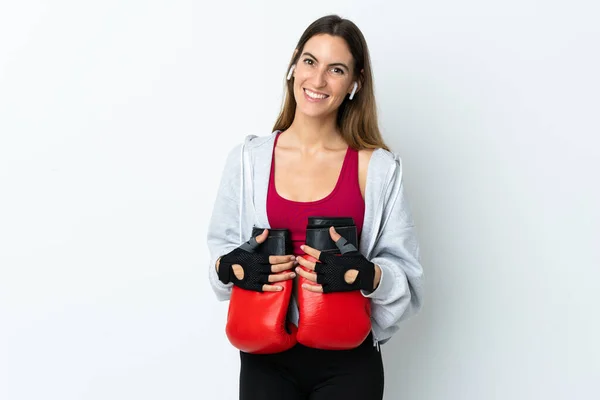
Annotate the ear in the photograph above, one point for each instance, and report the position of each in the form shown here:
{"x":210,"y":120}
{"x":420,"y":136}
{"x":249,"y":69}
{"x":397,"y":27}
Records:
{"x":361,"y":78}
{"x":358,"y":80}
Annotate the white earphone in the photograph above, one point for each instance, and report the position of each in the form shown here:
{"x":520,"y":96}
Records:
{"x":291,"y":70}
{"x":354,"y":90}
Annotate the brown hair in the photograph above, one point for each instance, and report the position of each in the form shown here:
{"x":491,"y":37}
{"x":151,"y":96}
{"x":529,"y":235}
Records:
{"x":356,"y":118}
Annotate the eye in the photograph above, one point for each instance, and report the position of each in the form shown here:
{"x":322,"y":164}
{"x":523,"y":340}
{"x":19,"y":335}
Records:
{"x":310,"y":62}
{"x":339,"y":71}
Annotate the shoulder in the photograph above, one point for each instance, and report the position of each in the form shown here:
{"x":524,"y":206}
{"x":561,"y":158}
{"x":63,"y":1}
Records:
{"x":252,"y":142}
{"x":364,"y":156}
{"x":249,"y":144}
{"x":379,"y":162}
{"x":378,"y":169}
{"x":379,"y":156}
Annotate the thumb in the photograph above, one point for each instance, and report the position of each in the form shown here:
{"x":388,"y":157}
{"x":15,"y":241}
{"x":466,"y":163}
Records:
{"x":263,"y":236}
{"x":334,"y":235}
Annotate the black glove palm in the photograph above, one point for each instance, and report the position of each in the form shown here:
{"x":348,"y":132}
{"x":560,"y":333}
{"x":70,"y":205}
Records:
{"x":332,"y":268}
{"x":256,"y":267}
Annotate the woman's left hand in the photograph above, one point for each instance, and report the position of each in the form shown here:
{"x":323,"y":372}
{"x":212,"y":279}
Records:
{"x":338,"y":273}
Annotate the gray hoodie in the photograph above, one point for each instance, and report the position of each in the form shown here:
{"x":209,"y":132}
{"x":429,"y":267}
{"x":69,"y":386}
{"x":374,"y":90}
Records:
{"x":388,"y":236}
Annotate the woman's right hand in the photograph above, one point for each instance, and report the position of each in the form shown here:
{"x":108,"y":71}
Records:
{"x":252,"y":271}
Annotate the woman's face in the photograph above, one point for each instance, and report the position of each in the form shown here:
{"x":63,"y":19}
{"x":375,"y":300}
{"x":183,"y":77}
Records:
{"x":323,"y":75}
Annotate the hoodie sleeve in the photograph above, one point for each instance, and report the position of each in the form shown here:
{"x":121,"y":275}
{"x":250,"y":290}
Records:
{"x":224,"y":227}
{"x":396,"y":251}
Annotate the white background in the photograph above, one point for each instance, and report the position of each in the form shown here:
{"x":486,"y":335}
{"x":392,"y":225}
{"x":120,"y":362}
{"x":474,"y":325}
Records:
{"x":116,"y":116}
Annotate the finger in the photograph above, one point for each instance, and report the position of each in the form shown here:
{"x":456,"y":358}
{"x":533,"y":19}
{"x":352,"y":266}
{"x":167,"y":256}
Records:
{"x":262,"y":237}
{"x":334,"y":235}
{"x":340,"y":242}
{"x":313,"y":288}
{"x":310,"y":251}
{"x":305,"y":263}
{"x":311,"y":276}
{"x":280,"y":259}
{"x":282,"y":267}
{"x":326,"y":257}
{"x":281,"y":277}
{"x":253,"y":243}
{"x":344,"y":246}
{"x":272,"y":288}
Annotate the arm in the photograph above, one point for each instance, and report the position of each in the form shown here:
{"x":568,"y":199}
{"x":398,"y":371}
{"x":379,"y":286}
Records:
{"x":224,"y":228}
{"x":399,"y":293}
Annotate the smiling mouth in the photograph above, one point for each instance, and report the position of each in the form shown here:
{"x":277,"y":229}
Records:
{"x":315,"y":95}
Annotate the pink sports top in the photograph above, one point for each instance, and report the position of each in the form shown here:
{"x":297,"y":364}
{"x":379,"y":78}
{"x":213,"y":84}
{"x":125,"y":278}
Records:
{"x":344,"y":201}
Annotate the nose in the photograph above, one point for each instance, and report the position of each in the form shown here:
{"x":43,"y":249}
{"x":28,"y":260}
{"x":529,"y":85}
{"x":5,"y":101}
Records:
{"x":319,"y":78}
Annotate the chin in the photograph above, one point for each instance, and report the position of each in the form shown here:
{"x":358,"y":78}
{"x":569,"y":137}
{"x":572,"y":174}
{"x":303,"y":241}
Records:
{"x":311,"y":112}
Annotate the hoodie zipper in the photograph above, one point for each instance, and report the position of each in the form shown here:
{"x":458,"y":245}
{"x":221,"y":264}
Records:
{"x":376,"y":344}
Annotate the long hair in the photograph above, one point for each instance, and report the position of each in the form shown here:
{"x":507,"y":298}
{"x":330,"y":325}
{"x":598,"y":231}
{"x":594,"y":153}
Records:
{"x":356,"y":118}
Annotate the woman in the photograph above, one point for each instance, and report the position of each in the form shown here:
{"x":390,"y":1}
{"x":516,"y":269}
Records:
{"x":325,"y":156}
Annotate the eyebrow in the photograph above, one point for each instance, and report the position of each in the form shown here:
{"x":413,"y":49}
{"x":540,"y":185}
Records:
{"x":331,"y":65}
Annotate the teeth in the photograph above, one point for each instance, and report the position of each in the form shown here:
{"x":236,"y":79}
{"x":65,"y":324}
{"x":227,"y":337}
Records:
{"x":315,"y":95}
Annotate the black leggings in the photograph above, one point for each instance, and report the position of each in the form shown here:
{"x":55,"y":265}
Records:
{"x":303,"y":373}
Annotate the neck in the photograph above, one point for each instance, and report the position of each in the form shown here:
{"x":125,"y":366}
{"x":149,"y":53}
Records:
{"x":309,"y":133}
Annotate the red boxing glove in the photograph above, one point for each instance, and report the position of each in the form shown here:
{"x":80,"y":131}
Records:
{"x":335,"y":320}
{"x":256,"y":320}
